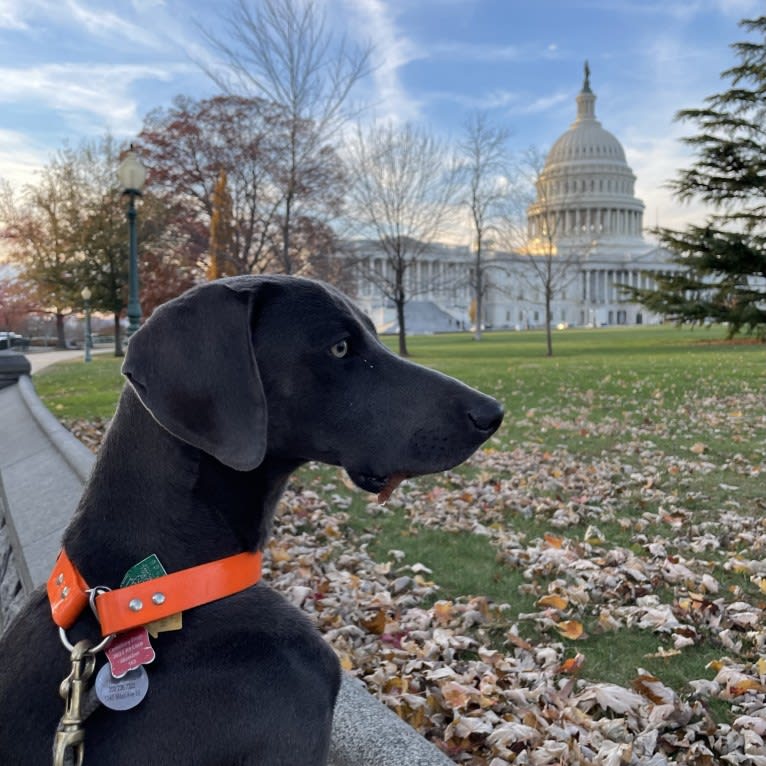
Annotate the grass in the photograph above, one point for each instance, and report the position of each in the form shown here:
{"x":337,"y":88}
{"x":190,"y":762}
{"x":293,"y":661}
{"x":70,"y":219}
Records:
{"x":664,"y":394}
{"x":76,"y":390}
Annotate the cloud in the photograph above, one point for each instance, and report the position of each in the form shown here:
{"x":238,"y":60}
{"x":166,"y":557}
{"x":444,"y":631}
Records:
{"x":102,"y":23}
{"x":375,"y":20}
{"x":464,"y":51}
{"x":670,"y":74}
{"x":93,"y":22}
{"x":455,"y":50}
{"x":656,"y":158}
{"x":491,"y":99}
{"x":500,"y":98}
{"x":142,"y":6}
{"x":739,"y":8}
{"x":12,"y":14}
{"x":545,"y":103}
{"x":98,"y":94}
{"x":677,"y":10}
{"x":20,"y":157}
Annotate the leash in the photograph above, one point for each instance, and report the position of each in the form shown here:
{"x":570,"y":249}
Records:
{"x":119,"y":612}
{"x":68,"y":744}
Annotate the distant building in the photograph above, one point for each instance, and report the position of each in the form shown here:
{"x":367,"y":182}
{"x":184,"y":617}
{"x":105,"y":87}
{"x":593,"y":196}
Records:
{"x":438,"y":289}
{"x":587,"y":212}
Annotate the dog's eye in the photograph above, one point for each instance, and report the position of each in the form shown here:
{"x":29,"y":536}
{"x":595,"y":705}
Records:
{"x":339,"y":349}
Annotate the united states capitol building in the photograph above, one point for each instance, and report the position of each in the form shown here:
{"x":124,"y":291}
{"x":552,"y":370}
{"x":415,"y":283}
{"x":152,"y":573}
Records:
{"x":585,"y":225}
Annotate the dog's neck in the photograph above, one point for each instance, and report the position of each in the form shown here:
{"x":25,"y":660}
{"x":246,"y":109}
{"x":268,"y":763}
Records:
{"x":151,"y":493}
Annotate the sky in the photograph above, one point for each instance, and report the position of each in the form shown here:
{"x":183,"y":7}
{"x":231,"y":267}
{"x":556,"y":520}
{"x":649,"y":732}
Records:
{"x":71,"y":70}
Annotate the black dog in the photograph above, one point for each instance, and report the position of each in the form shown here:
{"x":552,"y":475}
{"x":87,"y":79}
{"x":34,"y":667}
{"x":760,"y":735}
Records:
{"x":233,"y":385}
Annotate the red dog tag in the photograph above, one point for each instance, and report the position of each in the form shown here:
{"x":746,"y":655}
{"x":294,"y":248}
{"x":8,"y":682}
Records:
{"x":129,"y":651}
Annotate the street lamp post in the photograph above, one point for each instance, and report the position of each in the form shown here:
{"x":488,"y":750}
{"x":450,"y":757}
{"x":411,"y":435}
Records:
{"x":88,"y":336}
{"x":132,"y":175}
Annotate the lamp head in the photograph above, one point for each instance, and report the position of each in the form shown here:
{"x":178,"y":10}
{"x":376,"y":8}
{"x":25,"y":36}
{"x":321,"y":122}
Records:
{"x":131,"y":173}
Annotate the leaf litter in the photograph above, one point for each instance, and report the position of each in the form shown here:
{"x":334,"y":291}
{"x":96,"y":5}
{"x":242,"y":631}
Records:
{"x":603,"y":544}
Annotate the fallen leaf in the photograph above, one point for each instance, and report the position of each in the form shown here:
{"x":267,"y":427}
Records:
{"x":653,"y":689}
{"x":376,"y":624}
{"x":553,"y":601}
{"x":571,"y":629}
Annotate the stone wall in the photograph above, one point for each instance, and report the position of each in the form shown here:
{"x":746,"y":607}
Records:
{"x":12,"y":593}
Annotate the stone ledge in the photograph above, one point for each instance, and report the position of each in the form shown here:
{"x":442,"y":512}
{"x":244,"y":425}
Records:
{"x":12,"y":588}
{"x":79,"y":458}
{"x":366,"y":733}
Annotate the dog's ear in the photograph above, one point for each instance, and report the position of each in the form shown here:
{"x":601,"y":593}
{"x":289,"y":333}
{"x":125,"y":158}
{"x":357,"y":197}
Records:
{"x":193,"y":367}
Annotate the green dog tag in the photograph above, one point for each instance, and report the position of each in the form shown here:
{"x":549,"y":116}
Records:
{"x":147,"y":569}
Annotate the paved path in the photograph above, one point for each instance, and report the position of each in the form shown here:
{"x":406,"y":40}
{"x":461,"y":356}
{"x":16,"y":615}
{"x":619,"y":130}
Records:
{"x":42,"y":471}
{"x":41,"y":359}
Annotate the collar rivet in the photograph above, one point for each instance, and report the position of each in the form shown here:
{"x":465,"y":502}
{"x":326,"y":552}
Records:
{"x":135,"y":605}
{"x":158,"y":598}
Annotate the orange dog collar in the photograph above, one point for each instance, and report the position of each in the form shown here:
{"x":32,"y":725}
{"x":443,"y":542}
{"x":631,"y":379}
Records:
{"x":125,"y":608}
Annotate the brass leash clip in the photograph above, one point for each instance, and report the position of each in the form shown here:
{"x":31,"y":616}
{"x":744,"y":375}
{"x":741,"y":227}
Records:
{"x":69,"y":742}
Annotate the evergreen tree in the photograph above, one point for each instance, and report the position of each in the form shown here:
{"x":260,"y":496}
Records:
{"x":723,"y":262}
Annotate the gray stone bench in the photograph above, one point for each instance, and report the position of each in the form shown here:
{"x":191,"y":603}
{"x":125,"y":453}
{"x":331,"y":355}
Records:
{"x":42,"y":472}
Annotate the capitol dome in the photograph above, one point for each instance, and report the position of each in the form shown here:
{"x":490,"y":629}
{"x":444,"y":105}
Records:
{"x":585,"y":191}
{"x":586,"y":140}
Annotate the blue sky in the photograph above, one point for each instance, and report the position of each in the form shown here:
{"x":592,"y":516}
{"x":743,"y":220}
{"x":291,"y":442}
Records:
{"x":73,"y":69}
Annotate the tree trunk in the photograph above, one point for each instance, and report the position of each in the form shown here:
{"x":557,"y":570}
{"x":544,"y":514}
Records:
{"x":402,"y":330}
{"x":548,"y":336}
{"x":117,"y":336}
{"x":286,"y":237}
{"x":60,"y":336}
{"x":399,"y":301}
{"x":289,"y":194}
{"x":479,"y":297}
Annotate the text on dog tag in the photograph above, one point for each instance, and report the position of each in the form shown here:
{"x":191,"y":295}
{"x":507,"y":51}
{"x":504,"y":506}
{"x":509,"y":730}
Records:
{"x":121,"y":693}
{"x":129,"y":651}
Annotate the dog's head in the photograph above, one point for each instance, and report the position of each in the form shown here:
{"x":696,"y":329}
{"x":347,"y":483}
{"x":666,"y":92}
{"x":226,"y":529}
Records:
{"x":246,"y":366}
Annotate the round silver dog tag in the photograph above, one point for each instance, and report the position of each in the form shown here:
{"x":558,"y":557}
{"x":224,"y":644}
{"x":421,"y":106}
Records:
{"x":121,"y":693}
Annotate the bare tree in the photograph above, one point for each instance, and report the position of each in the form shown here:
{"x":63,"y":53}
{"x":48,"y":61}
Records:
{"x":533,"y":227}
{"x":283,"y":51}
{"x":403,"y":184}
{"x":485,"y":167}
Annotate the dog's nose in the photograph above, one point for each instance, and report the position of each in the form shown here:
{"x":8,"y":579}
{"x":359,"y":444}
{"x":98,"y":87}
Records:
{"x":487,"y":415}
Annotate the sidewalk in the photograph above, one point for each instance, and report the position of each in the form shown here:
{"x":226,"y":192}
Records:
{"x":39,"y":485}
{"x":41,"y":359}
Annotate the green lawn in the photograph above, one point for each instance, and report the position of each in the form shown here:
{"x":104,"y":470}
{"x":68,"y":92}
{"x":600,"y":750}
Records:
{"x":76,"y":390}
{"x":654,"y":434}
